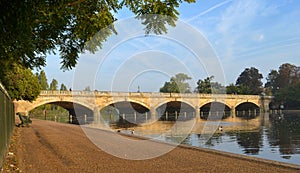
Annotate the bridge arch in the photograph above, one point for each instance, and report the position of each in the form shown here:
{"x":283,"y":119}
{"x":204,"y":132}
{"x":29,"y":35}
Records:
{"x":79,"y":112}
{"x":214,"y":110}
{"x":175,"y":110}
{"x":125,"y":112}
{"x":167,"y":101}
{"x":248,"y":102}
{"x":101,"y":105}
{"x":40,"y":103}
{"x":247,"y":110}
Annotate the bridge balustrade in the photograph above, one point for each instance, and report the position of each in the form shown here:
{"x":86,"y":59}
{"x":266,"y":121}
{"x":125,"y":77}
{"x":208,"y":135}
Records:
{"x":152,"y":94}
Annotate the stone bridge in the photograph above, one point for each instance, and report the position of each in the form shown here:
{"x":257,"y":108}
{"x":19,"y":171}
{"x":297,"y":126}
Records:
{"x":154,"y":105}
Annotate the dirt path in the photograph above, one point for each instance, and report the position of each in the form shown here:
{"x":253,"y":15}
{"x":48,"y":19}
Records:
{"x":52,"y":147}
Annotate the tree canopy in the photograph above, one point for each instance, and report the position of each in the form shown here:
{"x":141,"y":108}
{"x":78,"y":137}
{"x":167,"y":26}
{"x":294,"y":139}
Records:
{"x":63,"y":87}
{"x":249,"y":81}
{"x":287,"y":75}
{"x":232,"y":89}
{"x":206,"y":86}
{"x":271,"y":84}
{"x":21,"y":83}
{"x":43,"y":80}
{"x":284,"y":84}
{"x":177,"y":84}
{"x":289,"y":96}
{"x":32,"y":29}
{"x":53,"y":85}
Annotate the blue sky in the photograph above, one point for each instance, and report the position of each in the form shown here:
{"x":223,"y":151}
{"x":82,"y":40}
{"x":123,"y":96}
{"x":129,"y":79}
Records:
{"x":212,"y":37}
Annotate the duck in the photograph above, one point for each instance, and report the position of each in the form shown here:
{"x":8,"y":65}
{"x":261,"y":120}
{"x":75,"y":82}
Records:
{"x":220,"y":128}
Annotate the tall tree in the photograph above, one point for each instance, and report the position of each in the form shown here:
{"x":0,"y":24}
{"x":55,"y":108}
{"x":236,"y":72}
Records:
{"x":63,"y":87}
{"x":177,"y":84}
{"x":284,"y":85}
{"x":288,"y":75}
{"x":43,"y":80}
{"x":53,"y":85}
{"x":249,"y":81}
{"x":206,"y":86}
{"x":21,"y":83}
{"x":271,"y":84}
{"x":31,"y":29}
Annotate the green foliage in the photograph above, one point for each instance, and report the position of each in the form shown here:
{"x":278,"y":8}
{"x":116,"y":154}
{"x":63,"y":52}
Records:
{"x":53,"y":85}
{"x":245,"y":89}
{"x":43,"y":80}
{"x":206,"y":86}
{"x":32,"y":29}
{"x":53,"y":112}
{"x":177,"y":84}
{"x":21,"y":83}
{"x":110,"y":114}
{"x":290,"y":96}
{"x":63,"y":87}
{"x":167,"y":11}
{"x":271,"y":84}
{"x":284,"y":85}
{"x":288,"y":75}
{"x":232,"y":89}
{"x":169,"y":87}
{"x":249,"y":81}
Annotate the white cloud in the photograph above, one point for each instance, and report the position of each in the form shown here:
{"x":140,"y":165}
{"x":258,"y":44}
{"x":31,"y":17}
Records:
{"x":238,"y":15}
{"x":260,"y":37}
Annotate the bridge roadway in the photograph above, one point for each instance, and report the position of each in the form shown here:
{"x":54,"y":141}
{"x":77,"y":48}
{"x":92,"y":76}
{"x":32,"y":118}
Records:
{"x":149,"y":105}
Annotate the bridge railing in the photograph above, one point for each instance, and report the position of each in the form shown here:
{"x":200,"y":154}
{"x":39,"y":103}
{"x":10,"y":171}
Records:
{"x":7,"y":122}
{"x":148,"y":94}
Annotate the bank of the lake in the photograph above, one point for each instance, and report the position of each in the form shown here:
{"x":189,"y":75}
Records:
{"x":54,"y":147}
{"x":272,"y":137}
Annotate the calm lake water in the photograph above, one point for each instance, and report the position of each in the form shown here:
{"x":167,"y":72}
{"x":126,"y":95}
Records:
{"x":275,"y":138}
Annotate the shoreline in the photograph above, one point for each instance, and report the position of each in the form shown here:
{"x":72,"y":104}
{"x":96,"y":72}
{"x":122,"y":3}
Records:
{"x":209,"y":150}
{"x":54,"y":141}
{"x":224,"y":153}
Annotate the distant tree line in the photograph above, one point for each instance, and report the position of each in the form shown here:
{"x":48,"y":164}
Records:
{"x":283,"y":84}
{"x":249,"y":82}
{"x":42,"y":79}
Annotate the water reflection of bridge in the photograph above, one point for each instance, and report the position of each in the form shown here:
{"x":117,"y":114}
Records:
{"x":143,"y":107}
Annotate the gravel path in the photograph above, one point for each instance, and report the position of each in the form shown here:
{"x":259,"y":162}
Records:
{"x":53,"y":147}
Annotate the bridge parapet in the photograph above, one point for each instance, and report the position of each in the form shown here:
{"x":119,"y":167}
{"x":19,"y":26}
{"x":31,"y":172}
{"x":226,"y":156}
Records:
{"x":149,"y":94}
